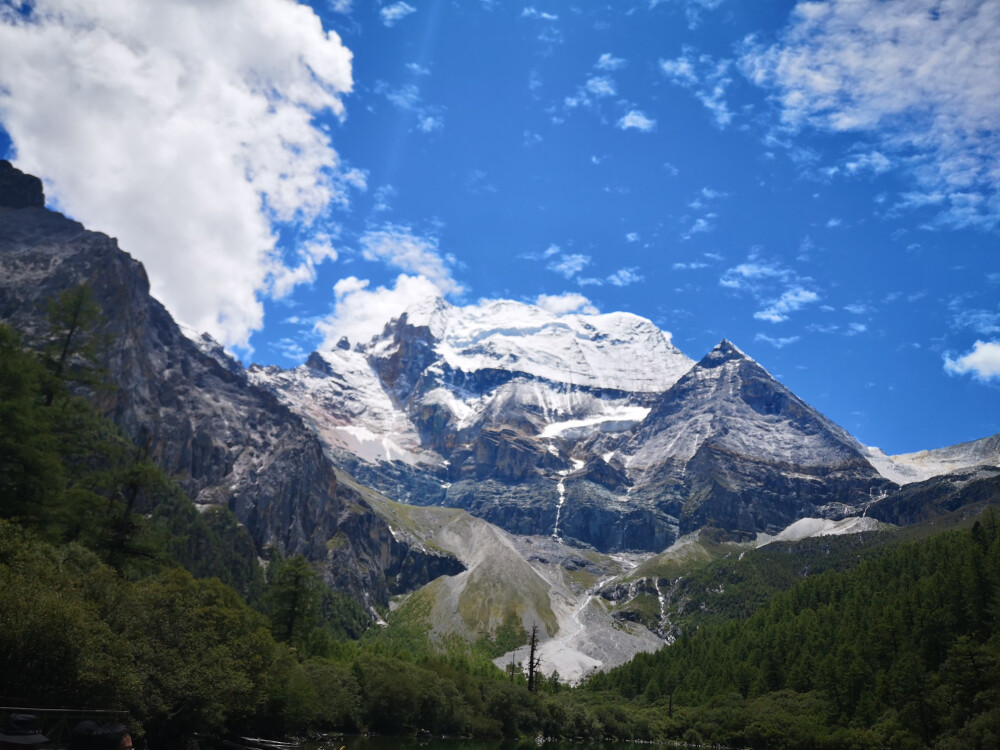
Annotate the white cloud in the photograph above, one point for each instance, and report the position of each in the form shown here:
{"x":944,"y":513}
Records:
{"x":779,"y":290}
{"x":632,"y":237}
{"x":701,"y":225}
{"x":983,"y":362}
{"x":777,"y":343}
{"x":601,"y":86}
{"x":917,"y":76}
{"x":790,"y":301}
{"x":184,"y":129}
{"x":398,"y":247}
{"x":608,"y":62}
{"x":429,"y":123}
{"x":984,"y":322}
{"x":689,"y":266}
{"x":706,"y":77}
{"x":625,"y":277}
{"x":311,"y":253}
{"x":532,"y":139}
{"x":873,"y":161}
{"x":561,"y":304}
{"x":290,"y":349}
{"x":692,"y":8}
{"x":639,"y":121}
{"x":361,"y":313}
{"x":392,"y":14}
{"x":712,"y":193}
{"x":418,"y":69}
{"x":569,"y":265}
{"x":383,"y":198}
{"x":535,"y":13}
{"x":680,"y":70}
{"x":408,"y":99}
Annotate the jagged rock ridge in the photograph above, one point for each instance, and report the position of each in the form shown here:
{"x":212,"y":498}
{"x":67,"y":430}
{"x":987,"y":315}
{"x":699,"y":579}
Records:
{"x":224,"y":440}
{"x":465,"y":408}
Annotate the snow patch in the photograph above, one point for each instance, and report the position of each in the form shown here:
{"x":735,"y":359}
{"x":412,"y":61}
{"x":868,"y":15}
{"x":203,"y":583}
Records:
{"x":805,"y":528}
{"x":617,"y":421}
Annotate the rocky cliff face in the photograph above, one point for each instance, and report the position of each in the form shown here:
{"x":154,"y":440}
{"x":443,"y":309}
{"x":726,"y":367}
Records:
{"x":224,"y":440}
{"x":480,"y":408}
{"x":443,"y":409}
{"x":729,"y":446}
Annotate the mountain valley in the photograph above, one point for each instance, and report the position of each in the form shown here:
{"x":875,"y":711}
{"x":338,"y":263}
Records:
{"x":489,"y":466}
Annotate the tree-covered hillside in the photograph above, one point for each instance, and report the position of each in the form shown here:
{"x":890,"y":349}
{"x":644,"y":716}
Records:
{"x":115,"y":593}
{"x":901,"y":651}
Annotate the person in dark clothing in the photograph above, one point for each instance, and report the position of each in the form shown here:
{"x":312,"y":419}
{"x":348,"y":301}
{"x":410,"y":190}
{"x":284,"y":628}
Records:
{"x":83,"y":736}
{"x":114,"y":736}
{"x":89,"y":735}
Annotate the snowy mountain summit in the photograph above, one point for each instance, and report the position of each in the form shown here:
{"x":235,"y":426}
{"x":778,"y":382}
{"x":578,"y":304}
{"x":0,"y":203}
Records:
{"x":440,"y":369}
{"x":591,"y":429}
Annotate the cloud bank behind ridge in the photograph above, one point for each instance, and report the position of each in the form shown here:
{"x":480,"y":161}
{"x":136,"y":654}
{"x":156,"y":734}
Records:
{"x":186,"y":130}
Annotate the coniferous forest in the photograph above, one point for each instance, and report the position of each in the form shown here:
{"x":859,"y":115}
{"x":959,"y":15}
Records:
{"x":115,"y":593}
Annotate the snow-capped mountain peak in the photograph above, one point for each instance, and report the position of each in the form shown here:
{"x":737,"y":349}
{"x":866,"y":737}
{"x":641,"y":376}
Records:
{"x":618,"y":351}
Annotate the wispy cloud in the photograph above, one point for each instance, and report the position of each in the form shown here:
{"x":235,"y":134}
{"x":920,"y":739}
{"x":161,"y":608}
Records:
{"x":790,"y":301}
{"x":601,"y":86}
{"x":569,"y":265}
{"x":707,"y":78}
{"x":407,"y":98}
{"x":636,"y":120}
{"x":311,"y":254}
{"x":607,"y":61}
{"x":400,"y":247}
{"x":985,"y":322}
{"x":625,"y":277}
{"x":693,"y":9}
{"x":533,"y":12}
{"x":918,"y":77}
{"x":393,"y":14}
{"x":777,"y":343}
{"x":478,"y":183}
{"x":779,"y":290}
{"x":704,"y":201}
{"x":701,"y":225}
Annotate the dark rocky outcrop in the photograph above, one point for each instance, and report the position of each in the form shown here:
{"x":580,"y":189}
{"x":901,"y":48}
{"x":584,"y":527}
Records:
{"x":966,"y":491}
{"x":19,"y":190}
{"x":225,"y":441}
{"x":729,"y":446}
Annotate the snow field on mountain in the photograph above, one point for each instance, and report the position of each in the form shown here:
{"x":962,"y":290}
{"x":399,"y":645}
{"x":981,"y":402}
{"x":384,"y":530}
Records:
{"x":805,"y":528}
{"x":615,"y":351}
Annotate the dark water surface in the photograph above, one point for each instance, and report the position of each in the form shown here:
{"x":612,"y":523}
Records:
{"x":409,"y":743}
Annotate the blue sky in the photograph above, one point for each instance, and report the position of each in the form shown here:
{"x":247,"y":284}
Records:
{"x":816,"y":182}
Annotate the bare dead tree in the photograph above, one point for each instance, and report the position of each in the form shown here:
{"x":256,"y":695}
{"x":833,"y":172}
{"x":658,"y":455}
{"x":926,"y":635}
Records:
{"x":533,"y":660}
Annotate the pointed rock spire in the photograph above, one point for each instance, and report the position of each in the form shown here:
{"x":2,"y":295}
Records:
{"x":724,"y":351}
